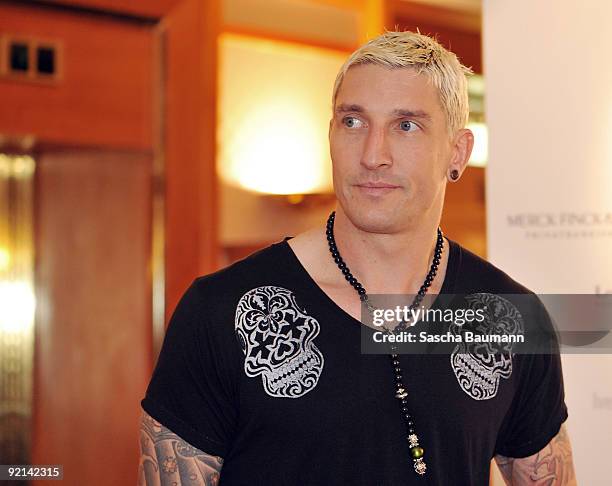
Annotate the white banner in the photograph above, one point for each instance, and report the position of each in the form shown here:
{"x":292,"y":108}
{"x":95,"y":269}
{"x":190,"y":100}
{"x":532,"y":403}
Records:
{"x":549,"y":178}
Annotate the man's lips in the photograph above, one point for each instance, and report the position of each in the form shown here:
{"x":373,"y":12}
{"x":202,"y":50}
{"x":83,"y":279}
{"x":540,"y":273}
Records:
{"x":376,"y":185}
{"x":376,"y":189}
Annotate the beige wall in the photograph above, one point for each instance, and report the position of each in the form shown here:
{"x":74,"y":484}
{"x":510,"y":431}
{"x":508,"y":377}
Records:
{"x":549,"y":110}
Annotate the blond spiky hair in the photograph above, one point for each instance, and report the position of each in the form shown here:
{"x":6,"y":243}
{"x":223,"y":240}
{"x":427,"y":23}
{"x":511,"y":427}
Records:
{"x":395,"y":49}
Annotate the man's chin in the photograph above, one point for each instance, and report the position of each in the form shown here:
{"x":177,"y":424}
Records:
{"x":376,"y":219}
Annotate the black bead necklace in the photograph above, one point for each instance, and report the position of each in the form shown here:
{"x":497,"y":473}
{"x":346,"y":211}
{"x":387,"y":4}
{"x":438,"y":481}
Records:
{"x":416,"y":451}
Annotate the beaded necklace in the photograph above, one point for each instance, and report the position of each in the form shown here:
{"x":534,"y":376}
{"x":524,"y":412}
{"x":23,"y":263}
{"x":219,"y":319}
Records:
{"x":416,"y":451}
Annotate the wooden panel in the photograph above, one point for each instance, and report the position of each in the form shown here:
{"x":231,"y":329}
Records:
{"x":93,"y":322}
{"x":443,"y":16}
{"x":191,"y":181}
{"x":105,"y":96}
{"x":464,"y":215}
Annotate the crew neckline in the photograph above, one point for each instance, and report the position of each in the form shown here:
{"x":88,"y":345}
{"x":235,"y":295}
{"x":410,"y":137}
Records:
{"x":448,"y":285}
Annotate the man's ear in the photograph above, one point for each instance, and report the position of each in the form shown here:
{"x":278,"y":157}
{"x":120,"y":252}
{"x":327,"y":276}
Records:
{"x":462,"y":145}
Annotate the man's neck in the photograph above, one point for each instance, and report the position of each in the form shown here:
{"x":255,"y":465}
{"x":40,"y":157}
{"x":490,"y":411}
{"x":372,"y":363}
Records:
{"x":387,"y":263}
{"x":383,"y":263}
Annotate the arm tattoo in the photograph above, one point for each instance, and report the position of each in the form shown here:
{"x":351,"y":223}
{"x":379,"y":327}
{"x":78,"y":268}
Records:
{"x":552,"y":466}
{"x":167,"y":460}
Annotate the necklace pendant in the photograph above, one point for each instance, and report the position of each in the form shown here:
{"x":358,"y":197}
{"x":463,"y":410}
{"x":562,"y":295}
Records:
{"x":419,"y":466}
{"x":417,"y":453}
{"x":401,"y":393}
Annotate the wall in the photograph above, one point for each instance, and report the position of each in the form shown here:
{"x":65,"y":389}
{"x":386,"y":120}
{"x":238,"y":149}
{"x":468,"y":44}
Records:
{"x":549,"y":110}
{"x":105,"y":95}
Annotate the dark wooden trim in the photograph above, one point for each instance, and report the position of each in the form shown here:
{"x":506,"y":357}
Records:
{"x":74,"y":7}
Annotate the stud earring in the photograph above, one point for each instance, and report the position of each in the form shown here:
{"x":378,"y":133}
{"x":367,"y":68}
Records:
{"x":454,"y":175}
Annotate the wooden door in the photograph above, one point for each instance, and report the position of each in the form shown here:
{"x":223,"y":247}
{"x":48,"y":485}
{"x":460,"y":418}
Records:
{"x":93,"y":331}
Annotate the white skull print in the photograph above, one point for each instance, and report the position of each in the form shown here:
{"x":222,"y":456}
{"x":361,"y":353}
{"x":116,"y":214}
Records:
{"x":276,"y":336}
{"x":480,"y":366}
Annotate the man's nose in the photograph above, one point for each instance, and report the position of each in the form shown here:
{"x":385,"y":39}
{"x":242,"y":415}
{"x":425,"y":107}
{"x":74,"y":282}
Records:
{"x":376,"y":151}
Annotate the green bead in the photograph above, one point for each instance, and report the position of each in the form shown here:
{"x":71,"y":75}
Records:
{"x":416,"y":452}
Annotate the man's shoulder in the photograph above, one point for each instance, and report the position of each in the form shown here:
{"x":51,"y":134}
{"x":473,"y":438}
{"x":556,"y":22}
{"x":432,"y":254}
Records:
{"x":211,"y":299}
{"x":258,"y":268}
{"x":492,"y":284}
{"x":475,"y":274}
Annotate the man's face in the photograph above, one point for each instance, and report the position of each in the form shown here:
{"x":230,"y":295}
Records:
{"x":390,"y":148}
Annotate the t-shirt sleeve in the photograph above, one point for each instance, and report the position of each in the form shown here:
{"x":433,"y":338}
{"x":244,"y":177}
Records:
{"x":538,"y":409}
{"x":193,"y":389}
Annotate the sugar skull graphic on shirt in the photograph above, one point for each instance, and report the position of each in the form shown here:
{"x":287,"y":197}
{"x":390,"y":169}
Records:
{"x":479,"y":367}
{"x":276,"y":336}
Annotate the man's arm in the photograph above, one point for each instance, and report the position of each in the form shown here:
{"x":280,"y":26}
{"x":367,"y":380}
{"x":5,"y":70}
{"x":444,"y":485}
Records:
{"x":166,"y":459}
{"x":552,"y":466}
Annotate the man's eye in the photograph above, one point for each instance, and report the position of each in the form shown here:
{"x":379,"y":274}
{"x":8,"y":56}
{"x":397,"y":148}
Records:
{"x":408,"y":126}
{"x":351,"y":121}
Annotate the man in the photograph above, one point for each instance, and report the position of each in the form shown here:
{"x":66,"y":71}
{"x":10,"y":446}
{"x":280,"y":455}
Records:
{"x":261,"y":379}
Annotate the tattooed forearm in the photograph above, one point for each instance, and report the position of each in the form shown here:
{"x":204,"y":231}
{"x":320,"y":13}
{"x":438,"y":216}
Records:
{"x":166,"y":459}
{"x":552,"y":466}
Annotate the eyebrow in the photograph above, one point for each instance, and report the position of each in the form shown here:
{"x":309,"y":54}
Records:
{"x":345,"y":108}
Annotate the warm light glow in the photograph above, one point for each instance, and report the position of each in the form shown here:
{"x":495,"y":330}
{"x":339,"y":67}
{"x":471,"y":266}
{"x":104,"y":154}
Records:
{"x":16,"y":166}
{"x":17,"y":304}
{"x":5,"y":259}
{"x":276,"y":150}
{"x":275,"y":107}
{"x":481,"y":138}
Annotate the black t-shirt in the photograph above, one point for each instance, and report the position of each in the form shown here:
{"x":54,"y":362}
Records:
{"x":261,"y":367}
